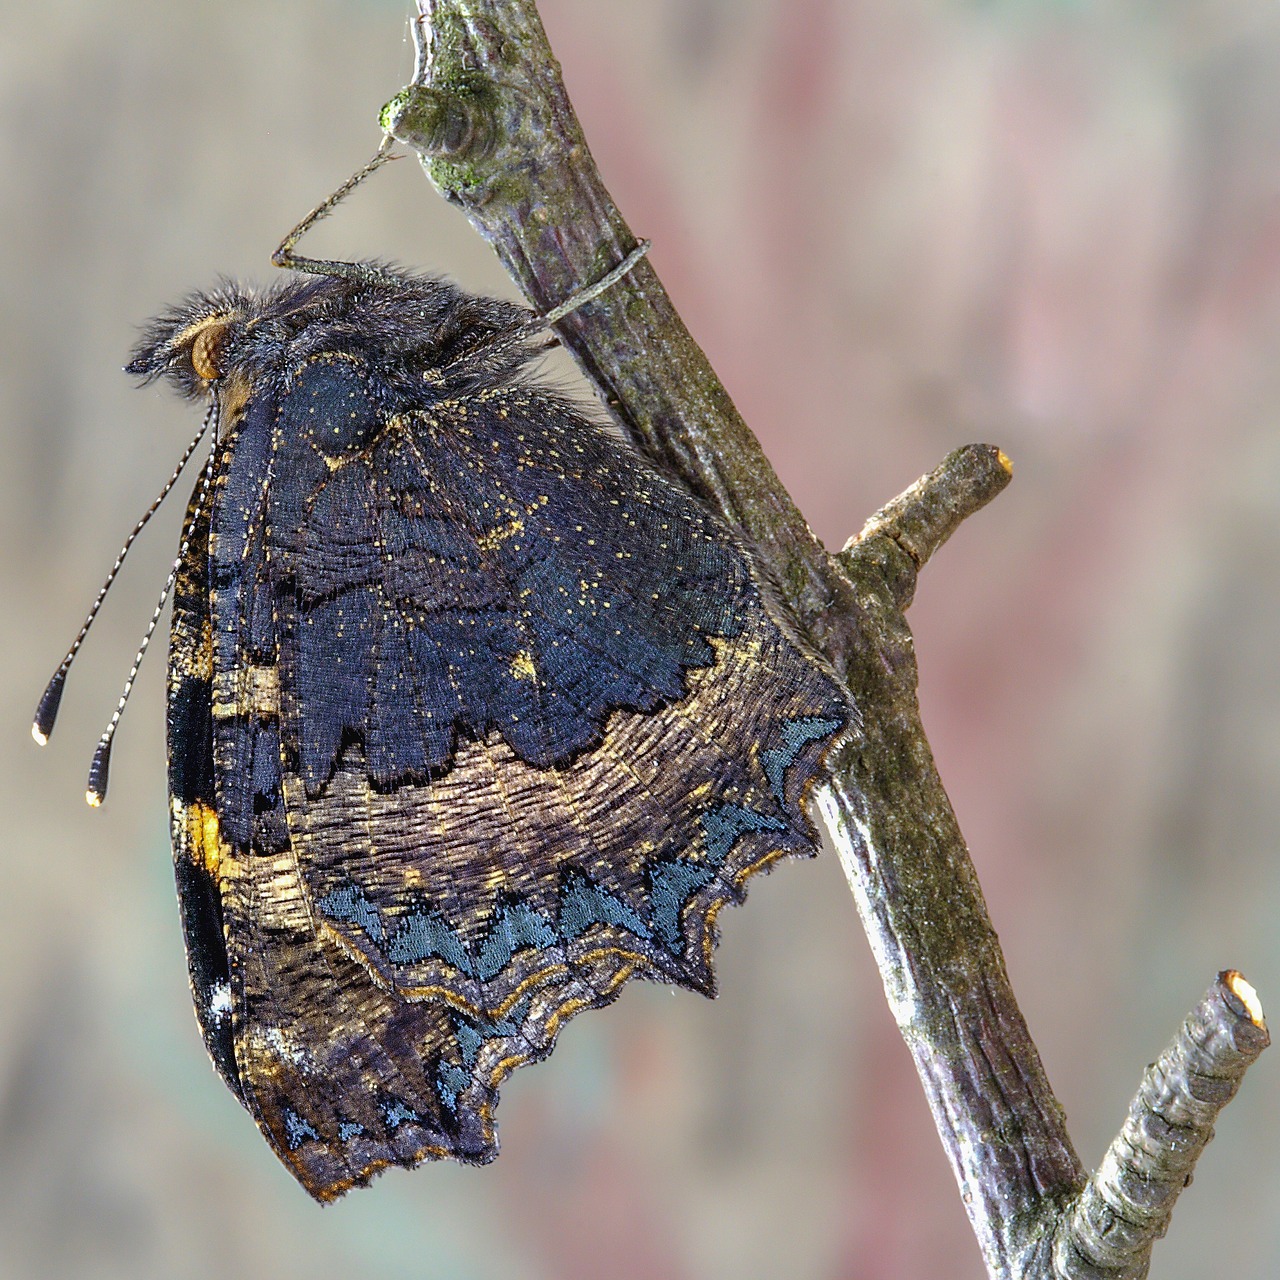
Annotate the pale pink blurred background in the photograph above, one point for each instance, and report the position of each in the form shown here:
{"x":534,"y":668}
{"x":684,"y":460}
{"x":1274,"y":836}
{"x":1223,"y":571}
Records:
{"x":896,"y":226}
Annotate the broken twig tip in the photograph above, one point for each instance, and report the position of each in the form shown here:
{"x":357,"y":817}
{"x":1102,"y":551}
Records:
{"x":1244,"y":992}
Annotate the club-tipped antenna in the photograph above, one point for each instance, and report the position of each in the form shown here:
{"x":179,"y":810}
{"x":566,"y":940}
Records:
{"x":47,"y":708}
{"x":96,"y":789}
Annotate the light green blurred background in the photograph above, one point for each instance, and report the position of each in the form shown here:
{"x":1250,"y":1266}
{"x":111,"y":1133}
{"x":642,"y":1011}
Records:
{"x":896,"y":225}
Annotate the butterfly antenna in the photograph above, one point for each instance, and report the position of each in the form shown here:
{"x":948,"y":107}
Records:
{"x":47,"y":708}
{"x":284,"y":255}
{"x":96,"y":790}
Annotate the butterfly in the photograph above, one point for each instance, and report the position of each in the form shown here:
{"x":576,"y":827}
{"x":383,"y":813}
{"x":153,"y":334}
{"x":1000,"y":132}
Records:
{"x":473,"y":715}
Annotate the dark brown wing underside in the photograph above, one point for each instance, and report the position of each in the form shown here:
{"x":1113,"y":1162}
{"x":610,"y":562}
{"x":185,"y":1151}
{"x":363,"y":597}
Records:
{"x":397,"y":938}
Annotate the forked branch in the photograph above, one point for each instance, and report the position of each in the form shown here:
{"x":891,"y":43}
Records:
{"x":488,"y":114}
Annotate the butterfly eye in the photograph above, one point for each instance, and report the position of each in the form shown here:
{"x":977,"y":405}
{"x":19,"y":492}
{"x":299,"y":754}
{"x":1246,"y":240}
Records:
{"x":206,"y":350}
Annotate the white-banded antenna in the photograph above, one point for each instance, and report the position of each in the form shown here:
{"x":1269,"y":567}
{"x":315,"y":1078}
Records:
{"x":96,"y":789}
{"x":47,"y":708}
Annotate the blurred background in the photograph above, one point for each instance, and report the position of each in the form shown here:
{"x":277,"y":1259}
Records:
{"x":896,"y":226}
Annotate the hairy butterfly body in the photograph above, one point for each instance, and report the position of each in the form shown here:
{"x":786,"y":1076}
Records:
{"x":472,"y":716}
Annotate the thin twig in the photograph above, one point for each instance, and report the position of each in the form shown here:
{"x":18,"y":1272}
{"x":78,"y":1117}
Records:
{"x":923,"y":517}
{"x":1127,"y":1203}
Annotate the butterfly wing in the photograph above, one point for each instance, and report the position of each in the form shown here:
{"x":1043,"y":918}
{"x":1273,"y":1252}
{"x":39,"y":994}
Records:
{"x":330,"y":1066}
{"x":498,"y":720}
{"x":193,"y":797}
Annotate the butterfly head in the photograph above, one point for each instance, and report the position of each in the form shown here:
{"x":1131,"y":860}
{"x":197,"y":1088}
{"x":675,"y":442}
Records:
{"x":196,"y":343}
{"x":424,"y":335}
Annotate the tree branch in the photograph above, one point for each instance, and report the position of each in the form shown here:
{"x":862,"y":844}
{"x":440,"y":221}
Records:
{"x":919,"y":520}
{"x":1127,"y":1203}
{"x":489,"y":116}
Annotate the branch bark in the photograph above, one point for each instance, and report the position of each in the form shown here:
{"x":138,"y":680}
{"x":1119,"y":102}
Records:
{"x":488,"y":114}
{"x":1128,"y":1202}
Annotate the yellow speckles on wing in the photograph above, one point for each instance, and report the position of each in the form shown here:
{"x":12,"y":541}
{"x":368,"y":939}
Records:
{"x":492,"y":540}
{"x":522,"y":667}
{"x":201,"y":659}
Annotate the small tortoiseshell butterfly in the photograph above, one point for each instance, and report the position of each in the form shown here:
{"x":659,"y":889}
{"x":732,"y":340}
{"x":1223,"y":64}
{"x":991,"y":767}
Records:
{"x":472,"y":714}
